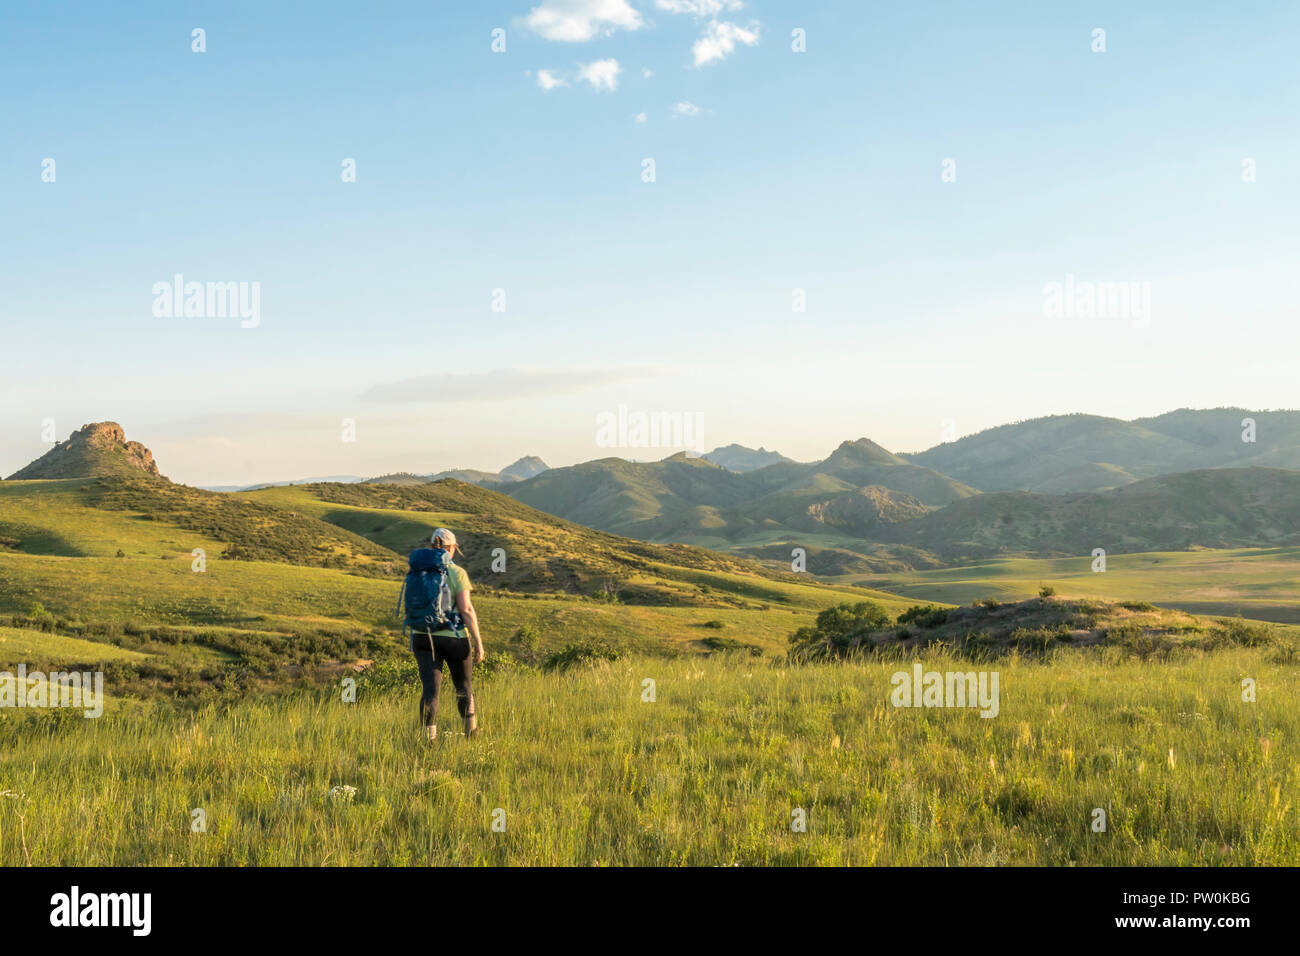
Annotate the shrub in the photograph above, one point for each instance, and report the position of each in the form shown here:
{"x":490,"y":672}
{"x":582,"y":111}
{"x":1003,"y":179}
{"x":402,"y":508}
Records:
{"x":924,"y":615}
{"x":529,"y":642}
{"x":582,"y":654}
{"x":838,"y":630}
{"x":1046,"y":591}
{"x":1241,"y":633}
{"x":1136,"y":605}
{"x":715,"y":643}
{"x":39,"y":618}
{"x":1038,"y":638}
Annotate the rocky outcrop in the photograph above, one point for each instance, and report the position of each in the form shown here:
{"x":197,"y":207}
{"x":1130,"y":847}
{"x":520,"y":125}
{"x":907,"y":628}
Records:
{"x":95,"y":450}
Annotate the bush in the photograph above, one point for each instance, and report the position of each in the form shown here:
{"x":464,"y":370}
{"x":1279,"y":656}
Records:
{"x":924,"y":615}
{"x":39,"y":618}
{"x":731,"y":644}
{"x":582,"y":654}
{"x":529,"y":642}
{"x":392,"y":674}
{"x":1038,"y":638}
{"x":838,"y":631}
{"x":1236,"y":631}
{"x":1046,"y":591}
{"x":1136,"y":605}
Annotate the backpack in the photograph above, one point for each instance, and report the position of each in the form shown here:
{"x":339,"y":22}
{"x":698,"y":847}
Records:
{"x":425,"y":603}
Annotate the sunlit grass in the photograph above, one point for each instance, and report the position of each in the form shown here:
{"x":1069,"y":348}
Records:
{"x":709,"y":773}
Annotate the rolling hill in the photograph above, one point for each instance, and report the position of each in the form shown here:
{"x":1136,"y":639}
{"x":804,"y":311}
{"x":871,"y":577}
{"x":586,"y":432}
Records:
{"x":735,"y":457}
{"x":1067,"y":453}
{"x":214,"y":593}
{"x":1210,"y":508}
{"x":694,"y":500}
{"x":520,"y":470}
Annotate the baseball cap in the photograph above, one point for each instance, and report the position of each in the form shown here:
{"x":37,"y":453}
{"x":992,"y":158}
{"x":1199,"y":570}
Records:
{"x":442,"y":534}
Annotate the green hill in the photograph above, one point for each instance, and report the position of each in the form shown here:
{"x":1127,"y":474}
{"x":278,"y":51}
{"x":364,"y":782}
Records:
{"x":735,"y":457}
{"x":520,"y":470}
{"x":1212,"y":508}
{"x":219,"y":593}
{"x":1091,"y":453}
{"x":691,"y":499}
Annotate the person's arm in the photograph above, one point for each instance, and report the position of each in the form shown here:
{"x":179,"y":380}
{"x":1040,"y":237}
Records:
{"x":471,"y":622}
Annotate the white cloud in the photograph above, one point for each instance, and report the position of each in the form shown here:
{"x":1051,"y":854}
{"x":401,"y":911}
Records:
{"x":686,"y":108}
{"x":602,"y":74}
{"x":699,"y":8}
{"x":647,"y":72}
{"x":548,"y":80}
{"x":577,"y":21}
{"x":640,"y":117}
{"x":720,"y":39}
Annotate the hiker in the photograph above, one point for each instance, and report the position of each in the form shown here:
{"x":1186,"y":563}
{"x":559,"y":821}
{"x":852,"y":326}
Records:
{"x":438,"y":613}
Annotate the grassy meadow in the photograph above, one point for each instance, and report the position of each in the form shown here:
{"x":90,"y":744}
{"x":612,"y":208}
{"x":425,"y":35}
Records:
{"x":587,"y":773}
{"x":1259,"y":583}
{"x":225,"y":695}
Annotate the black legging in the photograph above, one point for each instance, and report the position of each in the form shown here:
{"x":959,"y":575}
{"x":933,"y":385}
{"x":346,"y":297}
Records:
{"x":455,"y":651}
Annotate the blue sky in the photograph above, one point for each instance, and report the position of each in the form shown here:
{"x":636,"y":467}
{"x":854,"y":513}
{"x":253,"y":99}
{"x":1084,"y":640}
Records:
{"x":775,"y":171}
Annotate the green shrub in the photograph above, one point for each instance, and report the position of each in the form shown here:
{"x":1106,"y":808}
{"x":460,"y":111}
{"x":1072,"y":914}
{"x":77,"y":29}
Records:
{"x":1135,"y":605}
{"x":1235,"y":631}
{"x":1046,"y":591}
{"x":529,"y":642}
{"x":582,"y":654}
{"x":1039,"y":638}
{"x":839,"y":630}
{"x":715,"y":643}
{"x":39,"y":618}
{"x":924,"y":615}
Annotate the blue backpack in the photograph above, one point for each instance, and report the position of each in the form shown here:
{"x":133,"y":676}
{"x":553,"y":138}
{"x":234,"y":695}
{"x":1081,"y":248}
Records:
{"x":425,"y":603}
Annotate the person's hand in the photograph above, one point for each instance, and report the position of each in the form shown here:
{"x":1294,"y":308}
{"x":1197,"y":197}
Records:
{"x":479,"y":653}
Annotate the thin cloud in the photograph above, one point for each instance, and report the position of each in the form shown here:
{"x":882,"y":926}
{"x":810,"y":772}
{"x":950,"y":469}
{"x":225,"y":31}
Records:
{"x":686,"y":108}
{"x":548,"y":81}
{"x":501,"y":384}
{"x":699,"y":8}
{"x":577,"y":21}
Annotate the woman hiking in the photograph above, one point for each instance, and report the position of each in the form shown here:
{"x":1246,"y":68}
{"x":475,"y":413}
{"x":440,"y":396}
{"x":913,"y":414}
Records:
{"x":438,"y":608}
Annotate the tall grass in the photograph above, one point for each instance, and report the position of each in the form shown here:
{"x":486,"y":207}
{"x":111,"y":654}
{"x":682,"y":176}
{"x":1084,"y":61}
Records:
{"x":709,"y":773}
